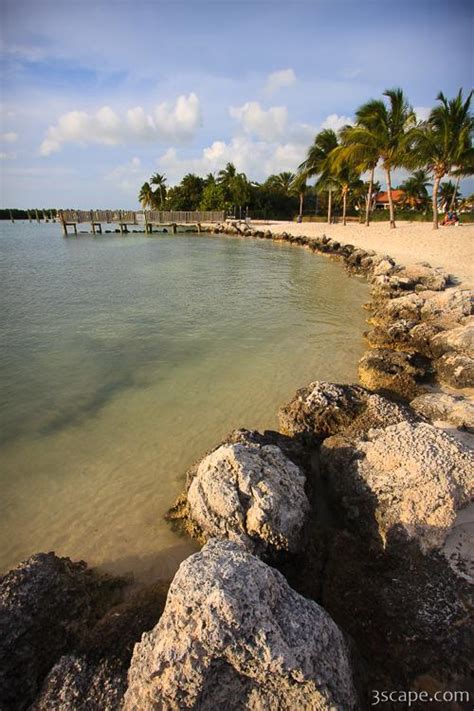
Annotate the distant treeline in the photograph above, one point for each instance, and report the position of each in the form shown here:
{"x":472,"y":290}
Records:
{"x":15,"y":214}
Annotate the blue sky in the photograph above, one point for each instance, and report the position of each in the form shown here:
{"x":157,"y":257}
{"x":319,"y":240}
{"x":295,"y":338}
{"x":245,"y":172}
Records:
{"x":96,"y":96}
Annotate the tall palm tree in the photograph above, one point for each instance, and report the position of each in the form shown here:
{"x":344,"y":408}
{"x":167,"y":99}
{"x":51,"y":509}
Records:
{"x":443,"y":139}
{"x":387,"y":130}
{"x":146,"y":196}
{"x":298,"y":186}
{"x":316,"y":163}
{"x":360,"y":149}
{"x":415,"y":188}
{"x":464,"y":168}
{"x":448,"y":194}
{"x":346,"y":180}
{"x":160,"y":192}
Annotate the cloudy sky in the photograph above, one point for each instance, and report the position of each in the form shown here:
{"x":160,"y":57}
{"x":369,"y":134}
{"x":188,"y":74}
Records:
{"x":96,"y":96}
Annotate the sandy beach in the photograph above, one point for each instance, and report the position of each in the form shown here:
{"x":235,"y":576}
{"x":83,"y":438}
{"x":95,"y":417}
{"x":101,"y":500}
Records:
{"x":451,"y":248}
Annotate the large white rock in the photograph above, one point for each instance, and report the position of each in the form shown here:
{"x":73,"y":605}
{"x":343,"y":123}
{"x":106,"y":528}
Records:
{"x":252,"y":494}
{"x":235,"y":636}
{"x":410,"y":479}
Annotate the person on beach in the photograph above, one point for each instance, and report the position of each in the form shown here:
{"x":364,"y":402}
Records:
{"x":451,"y":218}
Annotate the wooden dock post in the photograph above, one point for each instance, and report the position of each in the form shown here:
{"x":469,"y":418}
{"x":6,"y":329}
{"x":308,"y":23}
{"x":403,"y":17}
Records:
{"x":92,"y":222}
{"x":63,"y":222}
{"x":173,"y":228}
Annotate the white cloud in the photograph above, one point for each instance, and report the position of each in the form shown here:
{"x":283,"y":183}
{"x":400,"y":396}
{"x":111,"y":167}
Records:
{"x":257,"y":159}
{"x":269,"y":125}
{"x":128,"y":176}
{"x":422,"y":112}
{"x":166,"y":122}
{"x":278,"y":80}
{"x":9,"y":137}
{"x":335,"y":122}
{"x":268,"y":145}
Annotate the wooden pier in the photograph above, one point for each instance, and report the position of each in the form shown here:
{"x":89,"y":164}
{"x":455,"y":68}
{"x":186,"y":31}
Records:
{"x":147,"y":219}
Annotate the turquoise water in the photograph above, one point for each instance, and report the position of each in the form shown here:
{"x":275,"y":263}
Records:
{"x":124,"y":358}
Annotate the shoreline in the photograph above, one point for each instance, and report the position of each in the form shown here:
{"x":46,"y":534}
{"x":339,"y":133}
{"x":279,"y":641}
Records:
{"x":419,"y":343}
{"x":408,"y":243}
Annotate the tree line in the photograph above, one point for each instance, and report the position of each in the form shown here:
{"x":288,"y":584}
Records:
{"x":386,"y":134}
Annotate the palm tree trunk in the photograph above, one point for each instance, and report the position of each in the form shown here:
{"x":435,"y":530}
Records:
{"x":369,"y":198}
{"x":390,"y":201}
{"x":453,"y":199}
{"x":329,"y":206}
{"x":344,"y":207}
{"x":435,"y":201}
{"x":301,"y":205}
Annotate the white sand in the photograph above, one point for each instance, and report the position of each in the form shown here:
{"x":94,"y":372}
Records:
{"x":451,"y":248}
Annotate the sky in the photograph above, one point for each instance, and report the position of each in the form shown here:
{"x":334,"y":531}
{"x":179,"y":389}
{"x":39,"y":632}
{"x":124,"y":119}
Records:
{"x":97,"y":96}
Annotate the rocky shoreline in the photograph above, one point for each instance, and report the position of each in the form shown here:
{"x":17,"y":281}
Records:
{"x":336,"y":558}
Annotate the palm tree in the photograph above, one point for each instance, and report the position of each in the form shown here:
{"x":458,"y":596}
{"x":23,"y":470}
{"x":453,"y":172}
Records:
{"x":146,"y":196}
{"x":283,"y":181}
{"x":299,"y":186}
{"x":448,"y":194}
{"x":346,"y":179}
{"x":442,"y":140}
{"x":160,"y":192}
{"x":464,"y":168}
{"x":316,"y":163}
{"x":359,"y":148}
{"x":415,"y":189}
{"x":225,"y":176}
{"x":387,"y":131}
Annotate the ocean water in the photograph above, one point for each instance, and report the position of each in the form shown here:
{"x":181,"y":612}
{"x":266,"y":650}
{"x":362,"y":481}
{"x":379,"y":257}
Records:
{"x":123,"y":359}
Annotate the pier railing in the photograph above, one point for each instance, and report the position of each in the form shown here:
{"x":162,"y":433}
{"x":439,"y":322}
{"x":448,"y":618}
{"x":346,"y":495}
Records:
{"x":131,"y":217}
{"x":146,"y":218}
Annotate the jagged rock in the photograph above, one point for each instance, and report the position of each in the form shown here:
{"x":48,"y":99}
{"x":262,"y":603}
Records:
{"x":235,"y":636}
{"x":394,"y":371}
{"x":46,"y":604}
{"x":325,"y":409}
{"x":75,"y":684}
{"x":457,"y":410}
{"x":456,"y":370}
{"x":249,"y":493}
{"x":459,"y":339}
{"x":404,"y":335}
{"x":406,"y":481}
{"x":383,"y":266}
{"x":94,"y":675}
{"x":445,"y":308}
{"x":421,"y":277}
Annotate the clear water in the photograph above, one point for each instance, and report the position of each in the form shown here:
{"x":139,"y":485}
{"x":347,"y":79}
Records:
{"x":124,"y":358}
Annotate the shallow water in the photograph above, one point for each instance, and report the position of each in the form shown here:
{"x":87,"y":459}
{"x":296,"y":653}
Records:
{"x":124,"y":358}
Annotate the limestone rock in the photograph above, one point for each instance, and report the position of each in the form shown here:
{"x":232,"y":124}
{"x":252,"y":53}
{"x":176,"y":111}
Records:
{"x":457,"y":410}
{"x":75,"y":684}
{"x":250,"y":493}
{"x":459,"y":339}
{"x":456,"y":370}
{"x":235,"y":636}
{"x":46,"y":603}
{"x":422,"y":276}
{"x":407,"y":481}
{"x":325,"y":409}
{"x":445,"y":308}
{"x":394,"y":371}
{"x":383,"y":266}
{"x":94,"y":675}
